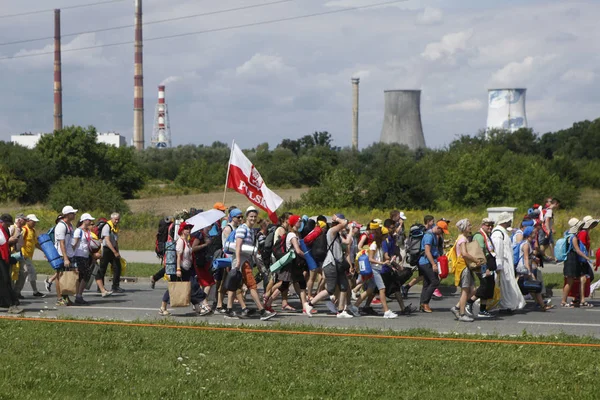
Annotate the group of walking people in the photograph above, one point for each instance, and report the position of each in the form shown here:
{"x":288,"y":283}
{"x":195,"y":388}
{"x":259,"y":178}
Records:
{"x":322,"y":259}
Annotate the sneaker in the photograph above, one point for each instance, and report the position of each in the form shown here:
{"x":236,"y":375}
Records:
{"x":81,"y":302}
{"x":353,"y":310}
{"x":405,"y":290}
{"x":376,"y":301}
{"x":152,"y":282}
{"x":484,"y":314}
{"x":14,"y":310}
{"x":246,"y":313}
{"x":220,"y":310}
{"x":39,"y":294}
{"x":308,"y":310}
{"x":117,"y":289}
{"x":164,"y":313}
{"x":369,"y":311}
{"x":455,"y":311}
{"x":331,"y":307}
{"x":389,"y":314}
{"x":469,"y":310}
{"x":266,"y":315}
{"x":107,"y":293}
{"x":465,"y":318}
{"x":344,"y":314}
{"x":437,"y":294}
{"x":48,"y":285}
{"x":21,"y":297}
{"x":231,"y":315}
{"x":61,"y":303}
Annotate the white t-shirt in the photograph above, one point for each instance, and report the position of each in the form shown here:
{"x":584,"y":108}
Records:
{"x":288,"y":240}
{"x":64,"y":232}
{"x":549,"y":217}
{"x":378,"y":256}
{"x":83,"y":247}
{"x":3,"y":238}
{"x":185,"y":252}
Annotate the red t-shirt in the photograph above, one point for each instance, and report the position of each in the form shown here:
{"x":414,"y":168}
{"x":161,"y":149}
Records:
{"x":584,"y":237}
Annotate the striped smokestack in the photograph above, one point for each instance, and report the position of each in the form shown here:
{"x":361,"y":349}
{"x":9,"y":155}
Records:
{"x":58,"y":123}
{"x":355,"y":82}
{"x":138,"y":81}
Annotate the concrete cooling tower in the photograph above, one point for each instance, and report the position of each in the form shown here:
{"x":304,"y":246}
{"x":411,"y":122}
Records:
{"x":402,"y":118}
{"x":506,"y":109}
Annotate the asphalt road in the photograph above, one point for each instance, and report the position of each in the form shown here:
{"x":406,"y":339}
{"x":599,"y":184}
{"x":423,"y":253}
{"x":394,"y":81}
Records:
{"x":140,"y":302}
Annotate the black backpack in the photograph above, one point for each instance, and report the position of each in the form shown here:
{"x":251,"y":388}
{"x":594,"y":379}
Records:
{"x":161,"y":237}
{"x":319,"y":247}
{"x":267,"y":247}
{"x":279,"y":247}
{"x":413,"y":243}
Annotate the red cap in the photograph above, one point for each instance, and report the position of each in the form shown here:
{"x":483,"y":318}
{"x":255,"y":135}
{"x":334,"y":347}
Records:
{"x":293,"y":219}
{"x":183,"y":226}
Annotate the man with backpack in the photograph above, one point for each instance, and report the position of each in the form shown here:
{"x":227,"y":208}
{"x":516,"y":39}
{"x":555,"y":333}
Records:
{"x":241,"y":270}
{"x":428,"y":267}
{"x":110,"y":252}
{"x":30,"y":243}
{"x":63,"y":237}
{"x":487,"y":283}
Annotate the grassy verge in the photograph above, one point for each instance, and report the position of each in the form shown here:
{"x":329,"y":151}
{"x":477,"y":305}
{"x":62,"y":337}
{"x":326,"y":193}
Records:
{"x":133,"y":269}
{"x":141,"y":362}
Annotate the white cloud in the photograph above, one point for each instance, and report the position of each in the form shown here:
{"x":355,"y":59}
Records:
{"x":448,"y":46}
{"x":467,"y":105}
{"x":518,"y":73}
{"x":262,"y":66}
{"x":430,"y":16}
{"x":170,"y":79}
{"x":578,"y":76}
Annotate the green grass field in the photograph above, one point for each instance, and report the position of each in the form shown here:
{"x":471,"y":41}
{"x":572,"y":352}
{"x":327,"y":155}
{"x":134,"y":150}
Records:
{"x":73,"y":361}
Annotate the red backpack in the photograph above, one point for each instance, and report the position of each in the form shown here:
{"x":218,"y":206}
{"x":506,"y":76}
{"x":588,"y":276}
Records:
{"x":97,"y":229}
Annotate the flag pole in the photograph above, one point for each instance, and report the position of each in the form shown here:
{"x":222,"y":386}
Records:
{"x":228,"y":165}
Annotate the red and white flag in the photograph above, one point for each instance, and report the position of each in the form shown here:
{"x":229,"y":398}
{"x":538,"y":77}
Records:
{"x":245,"y":179}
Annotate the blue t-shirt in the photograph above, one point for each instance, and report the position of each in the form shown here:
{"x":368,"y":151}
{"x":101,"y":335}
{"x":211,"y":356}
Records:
{"x":429,"y":239}
{"x":388,"y":247}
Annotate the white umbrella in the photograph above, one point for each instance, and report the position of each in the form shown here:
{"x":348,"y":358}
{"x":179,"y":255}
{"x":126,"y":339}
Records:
{"x":204,"y":219}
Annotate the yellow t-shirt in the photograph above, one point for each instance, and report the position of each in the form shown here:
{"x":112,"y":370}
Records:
{"x":29,"y":241}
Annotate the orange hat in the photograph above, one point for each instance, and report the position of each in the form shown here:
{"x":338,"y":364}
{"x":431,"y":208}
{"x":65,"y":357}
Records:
{"x":443,"y":226}
{"x":219,"y":206}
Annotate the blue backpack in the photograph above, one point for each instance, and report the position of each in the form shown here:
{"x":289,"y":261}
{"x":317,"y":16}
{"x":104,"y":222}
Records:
{"x":229,"y":245}
{"x":563,"y":246}
{"x":517,"y":252}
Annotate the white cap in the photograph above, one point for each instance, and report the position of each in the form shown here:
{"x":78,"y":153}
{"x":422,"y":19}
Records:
{"x":402,"y":216}
{"x":68,"y":210}
{"x":86,"y":217}
{"x":251,"y":209}
{"x":32,"y":217}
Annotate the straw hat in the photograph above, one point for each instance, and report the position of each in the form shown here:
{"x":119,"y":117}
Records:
{"x":589,"y":222}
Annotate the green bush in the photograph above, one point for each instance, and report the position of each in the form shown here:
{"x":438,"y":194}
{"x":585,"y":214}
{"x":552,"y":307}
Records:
{"x":86,"y":195}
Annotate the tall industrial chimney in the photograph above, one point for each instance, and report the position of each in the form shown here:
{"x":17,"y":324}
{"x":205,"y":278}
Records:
{"x":161,"y":133}
{"x":58,"y":122}
{"x":355,"y":82}
{"x":138,"y":81}
{"x":402,"y":118}
{"x":506,"y":109}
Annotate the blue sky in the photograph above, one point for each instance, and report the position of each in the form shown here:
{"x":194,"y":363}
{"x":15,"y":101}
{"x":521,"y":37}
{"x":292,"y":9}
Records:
{"x":286,"y":80}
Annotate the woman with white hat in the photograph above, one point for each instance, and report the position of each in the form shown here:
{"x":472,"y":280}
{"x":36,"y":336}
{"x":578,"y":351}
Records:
{"x":576,"y":264}
{"x":82,"y":242}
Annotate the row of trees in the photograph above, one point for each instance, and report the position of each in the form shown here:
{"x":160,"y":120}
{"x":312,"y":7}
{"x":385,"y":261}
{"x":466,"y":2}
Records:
{"x":500,"y":167}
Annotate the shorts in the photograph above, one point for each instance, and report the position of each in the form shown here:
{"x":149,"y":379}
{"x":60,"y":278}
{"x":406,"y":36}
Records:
{"x":466,"y":279}
{"x":205,"y":278}
{"x":545,"y":239}
{"x":84,"y":267}
{"x":376,"y":282}
{"x":486,"y":287}
{"x":334,"y":277}
{"x":248,"y":276}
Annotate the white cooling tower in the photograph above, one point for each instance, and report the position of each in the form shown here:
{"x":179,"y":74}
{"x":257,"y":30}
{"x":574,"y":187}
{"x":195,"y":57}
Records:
{"x":402,"y":118}
{"x":506,"y":109}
